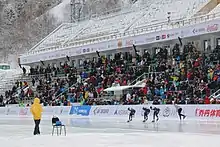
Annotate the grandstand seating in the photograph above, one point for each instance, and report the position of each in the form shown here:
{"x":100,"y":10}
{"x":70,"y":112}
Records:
{"x":8,"y":80}
{"x":109,"y":25}
{"x":160,"y":10}
{"x":105,"y":73}
{"x":164,"y":81}
{"x":173,"y":79}
{"x":59,"y":36}
{"x":152,"y":12}
{"x":216,"y":9}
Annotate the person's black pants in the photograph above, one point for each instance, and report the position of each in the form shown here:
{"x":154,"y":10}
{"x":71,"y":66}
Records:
{"x":155,"y":115}
{"x":37,"y":128}
{"x":180,"y":113}
{"x":130,"y":116}
{"x":146,"y":115}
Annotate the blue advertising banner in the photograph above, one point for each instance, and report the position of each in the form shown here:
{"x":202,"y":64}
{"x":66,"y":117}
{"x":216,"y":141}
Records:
{"x":80,"y":110}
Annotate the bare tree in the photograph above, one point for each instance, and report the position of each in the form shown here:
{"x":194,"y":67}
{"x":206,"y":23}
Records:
{"x":23,"y":23}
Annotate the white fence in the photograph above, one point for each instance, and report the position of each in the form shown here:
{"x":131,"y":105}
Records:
{"x":167,"y":112}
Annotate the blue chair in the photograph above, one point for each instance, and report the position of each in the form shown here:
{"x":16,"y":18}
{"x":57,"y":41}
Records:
{"x":58,"y":126}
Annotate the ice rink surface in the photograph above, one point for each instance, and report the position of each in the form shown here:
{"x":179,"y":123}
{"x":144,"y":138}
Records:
{"x":110,"y":132}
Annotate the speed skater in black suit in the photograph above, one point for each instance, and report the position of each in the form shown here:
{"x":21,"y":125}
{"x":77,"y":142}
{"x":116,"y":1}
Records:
{"x":131,"y":114}
{"x":179,"y":111}
{"x":146,"y":113}
{"x":156,"y":112}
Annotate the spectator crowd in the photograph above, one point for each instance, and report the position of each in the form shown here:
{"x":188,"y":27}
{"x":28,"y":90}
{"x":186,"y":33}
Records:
{"x":184,"y":76}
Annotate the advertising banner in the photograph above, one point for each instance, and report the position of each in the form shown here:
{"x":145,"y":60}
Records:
{"x":24,"y":111}
{"x":61,"y":110}
{"x":50,"y":110}
{"x":58,"y":110}
{"x":102,"y":110}
{"x":65,"y":110}
{"x":12,"y":111}
{"x":2,"y":111}
{"x":122,"y":110}
{"x":198,"y":112}
{"x":80,"y":110}
{"x":207,"y":112}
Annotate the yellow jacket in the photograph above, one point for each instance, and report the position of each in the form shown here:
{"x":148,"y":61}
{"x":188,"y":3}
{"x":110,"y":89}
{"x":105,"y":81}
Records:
{"x":36,"y":109}
{"x":86,"y":94}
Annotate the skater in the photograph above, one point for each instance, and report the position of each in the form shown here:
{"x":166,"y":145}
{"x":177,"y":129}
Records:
{"x":156,"y":112}
{"x":146,"y":113}
{"x":36,"y":110}
{"x":131,"y":114}
{"x":179,"y":111}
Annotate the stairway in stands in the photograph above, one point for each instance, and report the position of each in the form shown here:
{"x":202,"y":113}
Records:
{"x":7,"y":82}
{"x":216,"y":94}
{"x":208,"y":7}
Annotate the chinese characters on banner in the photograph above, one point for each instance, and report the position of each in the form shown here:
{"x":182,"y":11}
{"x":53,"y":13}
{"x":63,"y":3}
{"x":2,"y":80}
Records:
{"x":207,"y":112}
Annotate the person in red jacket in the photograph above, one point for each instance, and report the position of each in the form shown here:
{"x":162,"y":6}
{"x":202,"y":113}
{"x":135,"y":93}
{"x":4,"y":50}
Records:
{"x":207,"y":100}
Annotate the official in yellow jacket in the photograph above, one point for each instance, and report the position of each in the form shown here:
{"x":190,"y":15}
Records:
{"x":36,"y":110}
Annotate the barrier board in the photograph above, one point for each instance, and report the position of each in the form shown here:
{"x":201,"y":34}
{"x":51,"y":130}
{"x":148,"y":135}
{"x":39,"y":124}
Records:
{"x":200,"y":112}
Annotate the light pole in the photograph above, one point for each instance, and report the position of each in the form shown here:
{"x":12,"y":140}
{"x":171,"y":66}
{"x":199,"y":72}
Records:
{"x":71,"y":7}
{"x":76,"y":9}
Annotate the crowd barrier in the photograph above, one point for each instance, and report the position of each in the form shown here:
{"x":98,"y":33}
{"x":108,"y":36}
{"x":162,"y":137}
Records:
{"x":207,"y":112}
{"x":25,"y":111}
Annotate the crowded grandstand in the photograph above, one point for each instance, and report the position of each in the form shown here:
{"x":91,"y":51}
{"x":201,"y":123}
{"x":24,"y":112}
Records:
{"x":148,"y":53}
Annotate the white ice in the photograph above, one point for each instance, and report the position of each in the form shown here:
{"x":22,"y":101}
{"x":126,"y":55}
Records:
{"x":108,"y":132}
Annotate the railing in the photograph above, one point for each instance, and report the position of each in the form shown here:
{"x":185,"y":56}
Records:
{"x":158,"y":26}
{"x":138,"y":79}
{"x":216,"y":94}
{"x":144,"y":76}
{"x":47,"y":37}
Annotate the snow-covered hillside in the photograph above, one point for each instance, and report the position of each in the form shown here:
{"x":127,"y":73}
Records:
{"x":23,"y":23}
